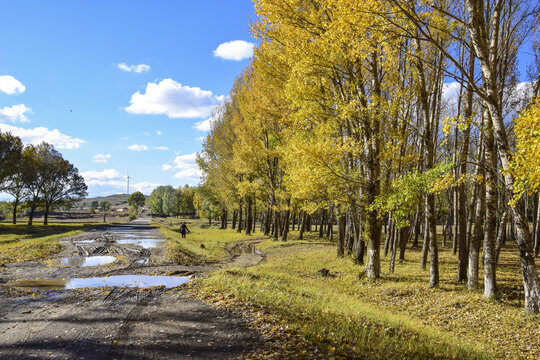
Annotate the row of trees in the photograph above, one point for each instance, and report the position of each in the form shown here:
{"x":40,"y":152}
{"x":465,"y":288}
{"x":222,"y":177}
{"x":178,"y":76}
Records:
{"x":166,"y":200}
{"x":345,"y":114}
{"x":37,"y":175}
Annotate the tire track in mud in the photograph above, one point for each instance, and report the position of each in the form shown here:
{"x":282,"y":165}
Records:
{"x":101,"y":324}
{"x":117,"y":349}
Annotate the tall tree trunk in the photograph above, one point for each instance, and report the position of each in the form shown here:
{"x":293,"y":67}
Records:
{"x":490,"y":228}
{"x":358,"y":248}
{"x":276,"y":225}
{"x":417,"y":224}
{"x":488,"y":53}
{"x":223,"y":217}
{"x":341,"y":236}
{"x":425,"y":248}
{"x":403,"y":245}
{"x":537,"y":231}
{"x":474,"y":253}
{"x":240,"y":213}
{"x":302,"y":224}
{"x":286,"y":222}
{"x":234,"y":216}
{"x":389,"y":234}
{"x":249,"y":216}
{"x":501,"y":234}
{"x":15,"y":205}
{"x":268,"y":221}
{"x":31,"y":215}
{"x":46,"y":215}
{"x":461,"y":227}
{"x":321,"y":227}
{"x":330,"y":229}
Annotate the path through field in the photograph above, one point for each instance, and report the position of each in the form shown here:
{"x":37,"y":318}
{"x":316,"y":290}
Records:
{"x":58,"y":316}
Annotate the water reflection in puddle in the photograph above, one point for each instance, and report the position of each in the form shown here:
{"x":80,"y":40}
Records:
{"x":137,"y":281}
{"x":246,"y":249}
{"x":125,"y":234}
{"x":144,"y":243}
{"x":86,"y":260}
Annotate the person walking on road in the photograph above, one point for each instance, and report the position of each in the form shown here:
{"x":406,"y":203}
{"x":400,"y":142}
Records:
{"x":183,"y":229}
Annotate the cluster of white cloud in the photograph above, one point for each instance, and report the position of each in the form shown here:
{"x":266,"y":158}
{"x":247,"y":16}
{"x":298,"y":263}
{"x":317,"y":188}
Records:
{"x":15,"y":113}
{"x":101,"y":158}
{"x":10,"y":85}
{"x":173,"y":99}
{"x":109,"y":180}
{"x":134,"y":68}
{"x":40,"y":134}
{"x":186,"y":166}
{"x":235,"y":50}
{"x":137,"y":147}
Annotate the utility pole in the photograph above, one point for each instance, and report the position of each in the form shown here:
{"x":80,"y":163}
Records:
{"x":128,"y":177}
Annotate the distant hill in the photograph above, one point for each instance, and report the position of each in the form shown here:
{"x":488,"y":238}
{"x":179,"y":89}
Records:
{"x":115,"y":200}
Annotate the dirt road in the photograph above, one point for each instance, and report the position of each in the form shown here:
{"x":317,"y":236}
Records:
{"x":67,"y":313}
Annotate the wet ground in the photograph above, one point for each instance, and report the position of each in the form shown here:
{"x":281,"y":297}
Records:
{"x":111,"y":294}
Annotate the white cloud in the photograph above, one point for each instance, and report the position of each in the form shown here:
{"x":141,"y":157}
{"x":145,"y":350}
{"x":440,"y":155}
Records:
{"x":40,"y":134}
{"x":110,"y":181}
{"x":136,"y":147}
{"x":134,"y":68}
{"x":158,"y":133}
{"x":101,"y":158}
{"x":15,"y":113}
{"x":191,"y":174}
{"x":174,"y":100}
{"x":145,"y":187}
{"x":161,"y":148}
{"x":96,"y":177}
{"x":10,"y":85}
{"x":203,"y":125}
{"x":235,"y":50}
{"x":186,"y":166}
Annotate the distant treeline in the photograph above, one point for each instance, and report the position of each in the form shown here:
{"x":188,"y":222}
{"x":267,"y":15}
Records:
{"x":166,"y":200}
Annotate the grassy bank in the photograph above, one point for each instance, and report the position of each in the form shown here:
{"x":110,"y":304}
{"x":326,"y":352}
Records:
{"x":215,"y":243}
{"x":20,"y":242}
{"x":397,"y":316}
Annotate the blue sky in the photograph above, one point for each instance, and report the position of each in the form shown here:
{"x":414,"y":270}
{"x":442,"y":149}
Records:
{"x":120,"y":86}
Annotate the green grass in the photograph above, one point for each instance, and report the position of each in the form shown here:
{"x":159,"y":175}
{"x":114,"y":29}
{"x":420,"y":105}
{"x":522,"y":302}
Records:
{"x":19,"y":243}
{"x":396,"y":316}
{"x":216,"y":241}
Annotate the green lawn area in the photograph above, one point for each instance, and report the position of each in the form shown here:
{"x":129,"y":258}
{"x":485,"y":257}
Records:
{"x":21,"y":242}
{"x":395,"y":317}
{"x":216,"y":242}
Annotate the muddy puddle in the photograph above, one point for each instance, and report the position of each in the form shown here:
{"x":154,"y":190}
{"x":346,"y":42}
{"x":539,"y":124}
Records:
{"x":144,"y":243}
{"x":246,"y":249}
{"x":86,"y":260}
{"x":130,"y":281}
